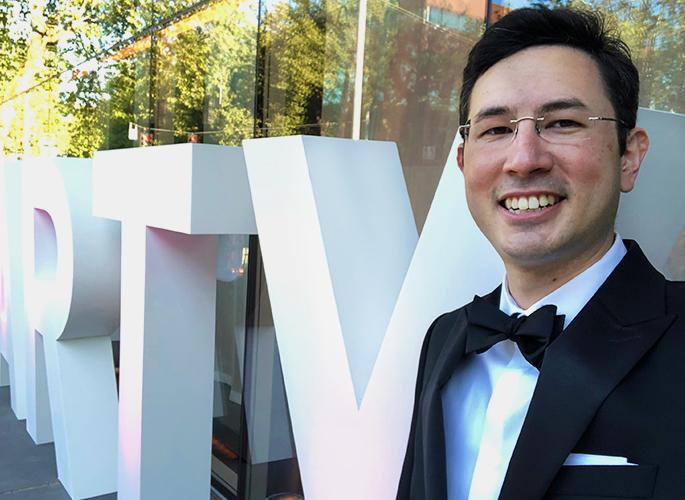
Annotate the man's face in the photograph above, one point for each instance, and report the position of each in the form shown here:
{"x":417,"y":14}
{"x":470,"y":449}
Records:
{"x":581,"y":182}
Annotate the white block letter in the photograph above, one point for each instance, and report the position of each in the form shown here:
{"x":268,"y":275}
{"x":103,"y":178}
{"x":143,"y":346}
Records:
{"x":14,"y":328}
{"x":171,"y":200}
{"x":72,"y":294}
{"x":351,"y":315}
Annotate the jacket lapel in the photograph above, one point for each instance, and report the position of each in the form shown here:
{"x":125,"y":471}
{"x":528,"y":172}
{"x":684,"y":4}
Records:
{"x":604,"y":342}
{"x":433,"y":436}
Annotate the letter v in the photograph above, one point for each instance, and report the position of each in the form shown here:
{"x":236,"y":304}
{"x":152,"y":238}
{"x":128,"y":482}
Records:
{"x":352,"y":294}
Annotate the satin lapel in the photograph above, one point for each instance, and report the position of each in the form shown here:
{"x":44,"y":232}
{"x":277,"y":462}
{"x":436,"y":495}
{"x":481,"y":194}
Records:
{"x":435,"y":481}
{"x":580,"y":369}
{"x":433,"y":435}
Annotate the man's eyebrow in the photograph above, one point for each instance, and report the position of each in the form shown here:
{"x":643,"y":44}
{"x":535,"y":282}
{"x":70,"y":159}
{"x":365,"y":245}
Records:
{"x":491,"y":111}
{"x":561,"y":104}
{"x":556,"y":105}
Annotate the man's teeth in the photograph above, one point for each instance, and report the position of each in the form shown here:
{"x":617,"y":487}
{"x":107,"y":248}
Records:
{"x":523,"y":203}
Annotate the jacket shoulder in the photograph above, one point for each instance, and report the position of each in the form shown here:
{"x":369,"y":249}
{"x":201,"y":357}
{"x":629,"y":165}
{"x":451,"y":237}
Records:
{"x":439,"y":332}
{"x":675,"y":297}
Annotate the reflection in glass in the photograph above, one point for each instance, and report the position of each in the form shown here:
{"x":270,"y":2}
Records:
{"x":412,"y":78}
{"x":253,"y":454}
{"x":308,"y":51}
{"x":653,"y":29}
{"x":204,"y":75}
{"x":229,"y":360}
{"x":414,"y":56}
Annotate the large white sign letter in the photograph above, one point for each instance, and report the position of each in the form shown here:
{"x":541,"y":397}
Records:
{"x":351,"y":316}
{"x":72,"y":294}
{"x":171,"y":201}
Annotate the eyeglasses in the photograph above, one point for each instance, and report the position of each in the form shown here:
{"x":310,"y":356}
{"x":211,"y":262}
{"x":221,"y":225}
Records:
{"x":558,"y":127}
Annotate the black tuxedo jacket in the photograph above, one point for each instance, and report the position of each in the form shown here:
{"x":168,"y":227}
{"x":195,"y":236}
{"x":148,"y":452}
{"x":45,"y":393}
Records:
{"x":613,"y":383}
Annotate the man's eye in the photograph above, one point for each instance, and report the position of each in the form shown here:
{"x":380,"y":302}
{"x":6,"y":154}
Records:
{"x":501,"y":130}
{"x":563,"y":123}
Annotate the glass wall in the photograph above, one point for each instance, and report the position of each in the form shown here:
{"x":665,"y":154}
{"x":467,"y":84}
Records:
{"x":415,"y":53}
{"x":253,"y":454}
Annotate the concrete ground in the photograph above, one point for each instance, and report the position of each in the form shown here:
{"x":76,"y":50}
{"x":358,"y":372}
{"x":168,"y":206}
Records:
{"x":27,"y":471}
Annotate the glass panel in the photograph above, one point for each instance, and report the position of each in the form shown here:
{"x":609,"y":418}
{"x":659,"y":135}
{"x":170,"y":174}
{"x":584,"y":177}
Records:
{"x":231,"y":290}
{"x":256,"y":428}
{"x":414,"y":58}
{"x":203,"y":85}
{"x":253,"y":453}
{"x":340,"y":62}
{"x":63,"y":85}
{"x":101,"y":98}
{"x":273,"y":471}
{"x":308,"y":50}
{"x":156,"y":73}
{"x":654,"y":32}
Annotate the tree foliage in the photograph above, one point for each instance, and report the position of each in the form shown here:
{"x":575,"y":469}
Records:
{"x":75,"y":73}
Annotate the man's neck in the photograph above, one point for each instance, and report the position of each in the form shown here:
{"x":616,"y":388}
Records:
{"x":529,"y":284}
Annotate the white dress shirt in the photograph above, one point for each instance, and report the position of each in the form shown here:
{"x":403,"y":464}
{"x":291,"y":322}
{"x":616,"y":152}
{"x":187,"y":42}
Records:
{"x":486,"y":400}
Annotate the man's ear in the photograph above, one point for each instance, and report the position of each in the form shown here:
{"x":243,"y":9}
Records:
{"x":460,"y":157}
{"x":637,"y":144}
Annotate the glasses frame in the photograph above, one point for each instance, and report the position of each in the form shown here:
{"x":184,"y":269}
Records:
{"x":464,"y":129}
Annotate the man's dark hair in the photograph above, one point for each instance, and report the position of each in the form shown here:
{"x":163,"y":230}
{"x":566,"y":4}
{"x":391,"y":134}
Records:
{"x":580,"y":29}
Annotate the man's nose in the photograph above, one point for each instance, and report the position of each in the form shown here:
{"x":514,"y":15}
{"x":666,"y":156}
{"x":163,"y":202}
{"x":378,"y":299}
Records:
{"x":528,"y":152}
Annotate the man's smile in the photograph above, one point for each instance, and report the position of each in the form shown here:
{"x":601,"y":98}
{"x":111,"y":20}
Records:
{"x":529,"y":202}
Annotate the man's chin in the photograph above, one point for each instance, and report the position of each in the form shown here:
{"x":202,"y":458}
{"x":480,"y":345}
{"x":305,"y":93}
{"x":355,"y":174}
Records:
{"x":530,"y":255}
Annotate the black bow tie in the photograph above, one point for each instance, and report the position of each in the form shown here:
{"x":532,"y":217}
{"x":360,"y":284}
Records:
{"x":488,"y":325}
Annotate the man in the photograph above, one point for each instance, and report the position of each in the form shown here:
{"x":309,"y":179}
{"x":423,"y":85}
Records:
{"x":507,"y":404}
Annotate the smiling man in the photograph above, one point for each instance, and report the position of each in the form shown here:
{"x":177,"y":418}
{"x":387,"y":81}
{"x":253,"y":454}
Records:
{"x":567,"y":380}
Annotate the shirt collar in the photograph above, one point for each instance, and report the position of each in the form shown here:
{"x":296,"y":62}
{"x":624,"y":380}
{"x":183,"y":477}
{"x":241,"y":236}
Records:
{"x":572,"y":296}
